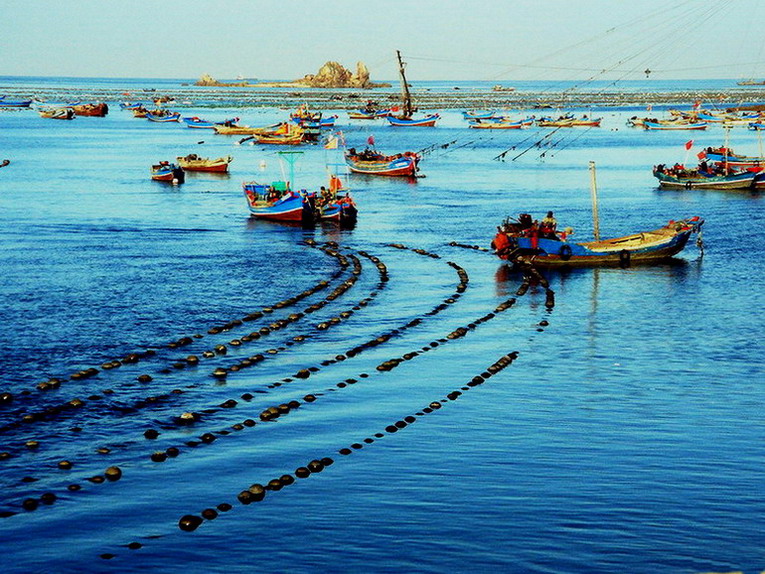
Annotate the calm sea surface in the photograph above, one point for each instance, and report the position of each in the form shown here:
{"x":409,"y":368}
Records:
{"x":627,"y":436}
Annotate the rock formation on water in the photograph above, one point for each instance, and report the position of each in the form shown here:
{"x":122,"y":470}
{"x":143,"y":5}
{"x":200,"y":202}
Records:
{"x":333,"y":75}
{"x":208,"y":80}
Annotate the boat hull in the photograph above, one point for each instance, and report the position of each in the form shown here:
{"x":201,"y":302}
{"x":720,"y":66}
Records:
{"x":428,"y":121}
{"x":640,"y":248}
{"x":289,"y":208}
{"x":15,"y":103}
{"x":675,"y":126}
{"x":403,"y":166}
{"x":738,"y":181}
{"x":163,"y":118}
{"x":219,"y":165}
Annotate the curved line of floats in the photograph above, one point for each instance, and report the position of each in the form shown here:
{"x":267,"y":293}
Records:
{"x":257,"y":492}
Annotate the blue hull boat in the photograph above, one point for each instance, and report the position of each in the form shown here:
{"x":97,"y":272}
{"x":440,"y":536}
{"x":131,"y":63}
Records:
{"x":427,"y":121}
{"x":514,"y":244}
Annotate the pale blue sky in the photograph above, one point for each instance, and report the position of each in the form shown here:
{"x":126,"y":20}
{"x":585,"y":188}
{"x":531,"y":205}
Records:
{"x":497,"y":41}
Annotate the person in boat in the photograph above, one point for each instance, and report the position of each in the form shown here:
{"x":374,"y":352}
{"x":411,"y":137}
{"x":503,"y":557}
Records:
{"x":548,"y":226}
{"x":563,"y":235}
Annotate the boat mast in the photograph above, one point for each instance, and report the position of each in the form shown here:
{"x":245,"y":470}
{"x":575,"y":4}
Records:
{"x":290,"y":157}
{"x":404,"y":87}
{"x":594,"y":194}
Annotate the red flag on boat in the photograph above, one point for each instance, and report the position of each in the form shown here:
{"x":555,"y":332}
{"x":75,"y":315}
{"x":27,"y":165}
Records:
{"x":371,"y":140}
{"x":697,"y":104}
{"x":702,"y":154}
{"x":394,"y":109}
{"x":689,"y":144}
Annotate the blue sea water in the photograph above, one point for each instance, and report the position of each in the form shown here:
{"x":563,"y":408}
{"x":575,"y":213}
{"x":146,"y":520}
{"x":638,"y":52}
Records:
{"x":627,"y":435}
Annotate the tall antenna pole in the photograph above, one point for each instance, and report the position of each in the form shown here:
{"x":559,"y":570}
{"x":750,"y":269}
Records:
{"x":594,"y":194}
{"x":404,"y":87}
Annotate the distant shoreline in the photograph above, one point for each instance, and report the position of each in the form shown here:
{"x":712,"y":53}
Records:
{"x":283,"y":95}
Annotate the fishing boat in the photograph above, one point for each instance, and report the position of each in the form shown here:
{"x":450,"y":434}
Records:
{"x":674,"y":125}
{"x":568,"y":121}
{"x":726,"y":155}
{"x":163,"y":116}
{"x":130,"y":105}
{"x":369,"y":112}
{"x":6,"y":103}
{"x":57,"y":113}
{"x":166,"y":171}
{"x":523,"y":241}
{"x":294,"y":137}
{"x":478,"y":114}
{"x":233,"y":129}
{"x":193,"y":162}
{"x":497,"y":125}
{"x":336,"y":208}
{"x":405,"y":119}
{"x":277,"y":202}
{"x":370,"y":162}
{"x":140,"y":112}
{"x":697,"y":178}
{"x":89,"y":109}
{"x":513,"y":242}
{"x":198,"y":123}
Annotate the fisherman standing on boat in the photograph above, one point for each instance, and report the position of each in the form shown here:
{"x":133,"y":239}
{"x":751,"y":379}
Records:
{"x":548,"y":226}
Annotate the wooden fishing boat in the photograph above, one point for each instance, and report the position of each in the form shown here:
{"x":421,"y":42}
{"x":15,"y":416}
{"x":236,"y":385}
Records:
{"x":277,"y":202}
{"x":568,"y":121}
{"x":57,"y":113}
{"x":290,"y":138}
{"x":370,"y":162}
{"x":513,"y":242}
{"x":727,"y":156}
{"x":140,"y":112}
{"x":698,"y":179}
{"x":368,"y":114}
{"x":6,"y":103}
{"x":674,"y":125}
{"x":193,"y":162}
{"x":163,"y":116}
{"x":198,"y":123}
{"x":166,"y":171}
{"x":336,"y":208}
{"x":362,"y":115}
{"x":405,"y":119}
{"x":497,"y":125}
{"x":479,"y":114}
{"x":97,"y":110}
{"x":130,"y":105}
{"x":527,"y":242}
{"x":232,"y":129}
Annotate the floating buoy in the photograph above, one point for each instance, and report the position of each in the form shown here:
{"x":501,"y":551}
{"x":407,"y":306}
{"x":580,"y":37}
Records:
{"x":135,"y":545}
{"x":159,"y":456}
{"x":65,"y":465}
{"x":209,"y":514}
{"x":302,"y":472}
{"x":151,"y":434}
{"x":113,"y":473}
{"x":48,"y":498}
{"x":189,"y":522}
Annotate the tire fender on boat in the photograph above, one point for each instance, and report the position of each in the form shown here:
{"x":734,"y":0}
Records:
{"x":624,"y":258}
{"x":565,"y":252}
